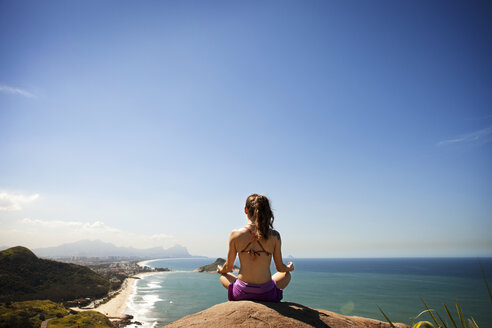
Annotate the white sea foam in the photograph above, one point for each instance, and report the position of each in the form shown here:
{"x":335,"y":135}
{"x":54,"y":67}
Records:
{"x":150,"y":287}
{"x":151,"y":299}
{"x":141,"y":303}
{"x":153,"y":285}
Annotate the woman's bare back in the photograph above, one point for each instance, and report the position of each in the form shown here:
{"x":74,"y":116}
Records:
{"x":256,"y":244}
{"x":255,"y":255}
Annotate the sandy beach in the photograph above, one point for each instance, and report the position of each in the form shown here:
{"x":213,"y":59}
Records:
{"x":117,"y":305}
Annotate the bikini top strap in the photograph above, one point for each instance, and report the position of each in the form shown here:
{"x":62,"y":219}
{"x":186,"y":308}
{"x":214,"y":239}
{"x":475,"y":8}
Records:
{"x":262,"y":248}
{"x":254,"y":238}
{"x":251,"y":232}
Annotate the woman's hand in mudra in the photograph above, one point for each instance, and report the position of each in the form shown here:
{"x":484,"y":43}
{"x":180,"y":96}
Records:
{"x":290,"y":266}
{"x":219,"y":268}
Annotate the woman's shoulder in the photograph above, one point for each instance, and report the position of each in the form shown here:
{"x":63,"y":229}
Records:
{"x":239,"y":231}
{"x":242,"y":229}
{"x":275,"y":233}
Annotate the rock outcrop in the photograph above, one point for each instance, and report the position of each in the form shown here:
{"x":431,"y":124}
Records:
{"x":213,"y":266}
{"x":266,"y":314}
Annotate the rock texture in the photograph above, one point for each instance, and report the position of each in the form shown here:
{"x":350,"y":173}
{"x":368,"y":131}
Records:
{"x":266,"y":314}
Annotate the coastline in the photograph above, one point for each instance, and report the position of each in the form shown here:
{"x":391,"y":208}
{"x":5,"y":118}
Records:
{"x":146,"y":262}
{"x":117,"y":305}
{"x":349,"y":291}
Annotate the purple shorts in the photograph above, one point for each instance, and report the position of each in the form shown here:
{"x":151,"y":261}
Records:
{"x":240,"y":290}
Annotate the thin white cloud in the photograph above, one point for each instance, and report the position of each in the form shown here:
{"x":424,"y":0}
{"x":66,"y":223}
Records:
{"x":480,"y":135}
{"x":42,"y":233}
{"x":15,"y":91}
{"x":13,"y":202}
{"x":58,"y":224}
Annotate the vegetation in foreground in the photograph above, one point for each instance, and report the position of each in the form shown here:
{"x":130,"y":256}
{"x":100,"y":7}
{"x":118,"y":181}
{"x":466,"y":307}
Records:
{"x":86,"y":319}
{"x":29,"y":314}
{"x":438,"y":320}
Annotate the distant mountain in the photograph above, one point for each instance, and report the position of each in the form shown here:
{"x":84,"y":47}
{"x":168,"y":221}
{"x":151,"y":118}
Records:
{"x":97,"y":248}
{"x":23,"y":276}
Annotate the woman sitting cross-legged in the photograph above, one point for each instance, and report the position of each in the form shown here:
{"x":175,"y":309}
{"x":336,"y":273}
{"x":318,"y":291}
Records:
{"x":256,"y":243}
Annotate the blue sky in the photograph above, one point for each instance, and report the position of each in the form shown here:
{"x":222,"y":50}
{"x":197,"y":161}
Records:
{"x":368,"y":124}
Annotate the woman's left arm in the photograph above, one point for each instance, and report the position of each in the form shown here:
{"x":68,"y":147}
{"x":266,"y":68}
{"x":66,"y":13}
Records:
{"x":231,"y":255}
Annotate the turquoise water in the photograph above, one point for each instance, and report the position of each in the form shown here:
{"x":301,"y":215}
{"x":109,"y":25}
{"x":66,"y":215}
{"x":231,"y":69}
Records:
{"x":348,"y":286}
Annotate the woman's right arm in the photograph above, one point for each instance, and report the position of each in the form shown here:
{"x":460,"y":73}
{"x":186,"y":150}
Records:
{"x":277,"y":255}
{"x":231,"y":255}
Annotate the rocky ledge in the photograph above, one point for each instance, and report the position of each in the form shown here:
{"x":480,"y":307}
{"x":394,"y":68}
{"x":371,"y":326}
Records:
{"x":266,"y":314}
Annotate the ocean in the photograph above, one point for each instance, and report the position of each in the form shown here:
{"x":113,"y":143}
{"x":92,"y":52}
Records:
{"x":347,"y":286}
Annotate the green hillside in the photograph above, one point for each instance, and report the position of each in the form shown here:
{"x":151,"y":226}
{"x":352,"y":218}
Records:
{"x":86,"y":319}
{"x":29,"y":313}
{"x":23,"y":276}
